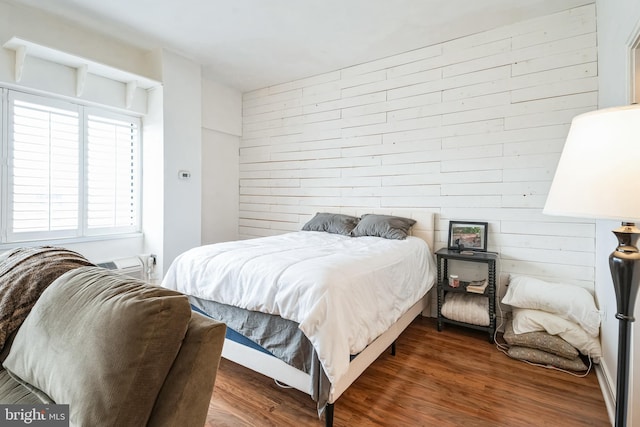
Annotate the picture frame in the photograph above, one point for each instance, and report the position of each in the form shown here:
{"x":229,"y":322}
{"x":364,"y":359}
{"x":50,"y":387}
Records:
{"x":468,"y":236}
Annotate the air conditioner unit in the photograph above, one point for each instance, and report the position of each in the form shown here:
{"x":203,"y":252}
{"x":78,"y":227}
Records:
{"x":132,"y":266}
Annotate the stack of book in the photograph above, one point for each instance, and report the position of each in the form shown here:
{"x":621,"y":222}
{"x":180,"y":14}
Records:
{"x":477,"y":287}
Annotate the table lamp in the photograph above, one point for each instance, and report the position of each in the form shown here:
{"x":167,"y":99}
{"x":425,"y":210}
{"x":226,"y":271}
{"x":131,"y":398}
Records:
{"x":597,"y":177}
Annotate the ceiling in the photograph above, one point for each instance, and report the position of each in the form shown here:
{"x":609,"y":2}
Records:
{"x":251,"y":44}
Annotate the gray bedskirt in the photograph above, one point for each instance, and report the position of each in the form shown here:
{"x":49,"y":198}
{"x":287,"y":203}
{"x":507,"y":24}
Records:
{"x":280,"y":337}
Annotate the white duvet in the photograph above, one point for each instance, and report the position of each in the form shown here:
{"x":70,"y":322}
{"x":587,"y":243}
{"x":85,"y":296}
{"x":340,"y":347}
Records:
{"x":343,"y":291}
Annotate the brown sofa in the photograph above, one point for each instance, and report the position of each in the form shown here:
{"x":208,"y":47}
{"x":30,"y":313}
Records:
{"x":117,"y":351}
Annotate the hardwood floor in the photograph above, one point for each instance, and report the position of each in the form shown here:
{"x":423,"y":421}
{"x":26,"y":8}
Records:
{"x":452,"y":378}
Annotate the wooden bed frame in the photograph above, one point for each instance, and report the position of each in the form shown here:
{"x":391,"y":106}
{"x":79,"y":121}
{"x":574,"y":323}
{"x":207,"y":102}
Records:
{"x":280,"y":371}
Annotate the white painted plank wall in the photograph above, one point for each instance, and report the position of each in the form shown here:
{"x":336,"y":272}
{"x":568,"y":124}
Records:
{"x":470,"y":129}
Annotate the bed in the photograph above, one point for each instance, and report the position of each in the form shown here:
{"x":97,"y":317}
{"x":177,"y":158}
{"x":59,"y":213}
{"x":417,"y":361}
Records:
{"x":314,"y":308}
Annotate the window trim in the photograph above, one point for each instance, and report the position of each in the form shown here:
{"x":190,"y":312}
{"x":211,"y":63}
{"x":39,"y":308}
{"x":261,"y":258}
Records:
{"x":82,"y":233}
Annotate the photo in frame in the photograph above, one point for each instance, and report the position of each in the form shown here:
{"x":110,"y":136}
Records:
{"x":468,"y":236}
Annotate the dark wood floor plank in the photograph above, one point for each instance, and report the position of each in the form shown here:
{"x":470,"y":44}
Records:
{"x":449,"y":378}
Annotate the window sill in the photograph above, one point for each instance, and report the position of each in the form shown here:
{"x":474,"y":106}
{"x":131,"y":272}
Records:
{"x":70,"y":241}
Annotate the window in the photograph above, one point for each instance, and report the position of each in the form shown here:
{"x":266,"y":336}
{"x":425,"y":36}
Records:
{"x":72,"y":171}
{"x":112,"y":167}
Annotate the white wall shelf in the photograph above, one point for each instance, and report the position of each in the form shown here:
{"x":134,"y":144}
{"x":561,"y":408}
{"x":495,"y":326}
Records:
{"x":83,"y":66}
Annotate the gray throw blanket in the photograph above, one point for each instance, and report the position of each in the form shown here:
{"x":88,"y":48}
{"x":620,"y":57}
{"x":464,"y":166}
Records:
{"x":24,"y":274}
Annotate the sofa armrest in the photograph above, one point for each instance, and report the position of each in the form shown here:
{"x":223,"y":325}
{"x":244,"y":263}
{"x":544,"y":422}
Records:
{"x":185,"y":395}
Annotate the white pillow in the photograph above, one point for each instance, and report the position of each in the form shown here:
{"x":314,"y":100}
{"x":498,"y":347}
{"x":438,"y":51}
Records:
{"x":567,"y":301}
{"x":526,"y":320}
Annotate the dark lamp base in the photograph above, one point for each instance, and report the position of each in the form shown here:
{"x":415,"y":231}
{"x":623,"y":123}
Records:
{"x":626,"y":278}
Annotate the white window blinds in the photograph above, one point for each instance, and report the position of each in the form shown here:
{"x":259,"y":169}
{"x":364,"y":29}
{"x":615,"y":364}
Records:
{"x":72,"y":170}
{"x":112,"y":173}
{"x":44,"y":165}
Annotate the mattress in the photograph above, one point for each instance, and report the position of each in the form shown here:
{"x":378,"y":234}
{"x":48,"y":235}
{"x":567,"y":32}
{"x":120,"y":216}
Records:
{"x":342,"y":291}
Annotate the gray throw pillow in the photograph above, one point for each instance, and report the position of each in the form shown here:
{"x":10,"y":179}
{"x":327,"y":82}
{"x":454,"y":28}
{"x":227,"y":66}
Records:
{"x":389,"y":227}
{"x":331,"y":223}
{"x":102,"y":343}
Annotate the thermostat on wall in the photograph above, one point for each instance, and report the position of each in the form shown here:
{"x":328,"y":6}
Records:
{"x":184,"y":174}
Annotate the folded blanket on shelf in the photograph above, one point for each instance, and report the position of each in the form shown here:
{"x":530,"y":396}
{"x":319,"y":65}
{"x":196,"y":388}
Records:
{"x":466,"y":308}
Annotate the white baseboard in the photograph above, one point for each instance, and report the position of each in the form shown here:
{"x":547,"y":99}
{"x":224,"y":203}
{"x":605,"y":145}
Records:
{"x":606,"y":386}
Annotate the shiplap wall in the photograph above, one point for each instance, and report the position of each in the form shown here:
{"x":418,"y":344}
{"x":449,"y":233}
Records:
{"x":470,"y":129}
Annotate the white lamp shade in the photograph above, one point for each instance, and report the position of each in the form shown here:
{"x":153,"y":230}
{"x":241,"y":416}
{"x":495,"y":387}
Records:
{"x":598,"y":174}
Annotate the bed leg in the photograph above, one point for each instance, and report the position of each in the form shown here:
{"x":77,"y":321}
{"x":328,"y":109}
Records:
{"x":393,"y":348}
{"x":328,"y":415}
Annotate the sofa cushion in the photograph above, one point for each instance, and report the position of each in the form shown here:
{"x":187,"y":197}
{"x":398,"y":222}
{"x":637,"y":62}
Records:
{"x":540,"y":340}
{"x":102,"y":343}
{"x":14,"y":392}
{"x":186,"y":393}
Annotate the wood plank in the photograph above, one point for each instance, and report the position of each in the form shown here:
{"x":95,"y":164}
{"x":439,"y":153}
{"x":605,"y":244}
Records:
{"x":272,"y":99}
{"x":392,"y":61}
{"x":368,"y":99}
{"x":565,"y":59}
{"x":402,"y":81}
{"x":452,"y":378}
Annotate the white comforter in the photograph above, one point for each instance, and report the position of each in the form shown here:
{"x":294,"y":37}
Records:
{"x":343,"y":291}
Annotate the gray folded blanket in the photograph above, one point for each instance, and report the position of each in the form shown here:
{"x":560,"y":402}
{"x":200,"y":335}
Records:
{"x":24,"y":274}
